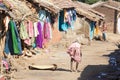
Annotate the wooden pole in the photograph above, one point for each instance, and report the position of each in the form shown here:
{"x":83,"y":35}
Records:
{"x":115,"y":21}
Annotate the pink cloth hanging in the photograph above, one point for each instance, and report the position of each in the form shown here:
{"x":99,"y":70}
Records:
{"x":46,"y":33}
{"x":50,"y":30}
{"x":27,"y":41}
{"x":30,"y":29}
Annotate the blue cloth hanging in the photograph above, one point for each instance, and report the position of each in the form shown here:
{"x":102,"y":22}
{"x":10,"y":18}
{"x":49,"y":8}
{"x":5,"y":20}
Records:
{"x":91,"y":29}
{"x":74,"y":15}
{"x":9,"y":49}
{"x":42,"y":15}
{"x":63,"y":26}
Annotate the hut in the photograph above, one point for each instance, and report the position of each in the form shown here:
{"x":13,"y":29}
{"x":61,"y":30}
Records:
{"x":83,"y":14}
{"x":49,"y":13}
{"x":18,"y":12}
{"x":90,"y":17}
{"x":52,"y":11}
{"x":83,"y":11}
{"x":11,"y":19}
{"x":28,"y":14}
{"x":111,"y":10}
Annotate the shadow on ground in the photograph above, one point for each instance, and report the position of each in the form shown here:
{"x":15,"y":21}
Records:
{"x":61,"y":69}
{"x":91,"y":72}
{"x":114,"y":53}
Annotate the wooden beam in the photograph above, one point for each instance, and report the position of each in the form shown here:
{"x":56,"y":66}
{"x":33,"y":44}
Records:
{"x":111,"y":7}
{"x":96,"y":12}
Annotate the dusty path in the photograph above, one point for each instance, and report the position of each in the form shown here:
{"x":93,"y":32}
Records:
{"x":93,"y":61}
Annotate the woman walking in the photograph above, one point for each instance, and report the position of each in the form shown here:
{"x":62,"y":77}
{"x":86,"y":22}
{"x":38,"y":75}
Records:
{"x":74,"y":50}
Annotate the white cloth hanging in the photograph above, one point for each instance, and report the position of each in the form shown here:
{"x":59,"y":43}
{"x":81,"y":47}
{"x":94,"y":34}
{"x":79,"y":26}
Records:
{"x":35,"y":30}
{"x":118,"y":26}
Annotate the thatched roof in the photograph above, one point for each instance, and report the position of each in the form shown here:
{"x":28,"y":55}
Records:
{"x":81,"y":8}
{"x":85,"y":10}
{"x":63,"y":3}
{"x":57,"y":5}
{"x":109,"y":4}
{"x":45,"y":4}
{"x":53,"y":5}
{"x":19,"y":9}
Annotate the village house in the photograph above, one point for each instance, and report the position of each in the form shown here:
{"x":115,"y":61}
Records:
{"x":84,"y":15}
{"x":91,"y":17}
{"x":15,"y":14}
{"x":55,"y":17}
{"x":111,"y":10}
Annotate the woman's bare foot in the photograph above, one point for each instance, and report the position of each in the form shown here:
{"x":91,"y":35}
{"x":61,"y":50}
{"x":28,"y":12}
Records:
{"x":72,"y":70}
{"x":77,"y":70}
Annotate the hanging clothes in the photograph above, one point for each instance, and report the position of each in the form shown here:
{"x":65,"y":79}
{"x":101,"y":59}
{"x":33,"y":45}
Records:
{"x":118,"y":25}
{"x":28,"y":41}
{"x":74,"y":15}
{"x":13,"y":43}
{"x":66,"y":16}
{"x":23,"y":31}
{"x":66,"y":19}
{"x":49,"y":21}
{"x":70,"y":18}
{"x":39,"y":39}
{"x":30,"y":31}
{"x":62,"y":25}
{"x":91,"y":30}
{"x":46,"y":33}
{"x":8,"y":43}
{"x":6,"y":22}
{"x":42,"y":15}
{"x":18,"y":41}
{"x":48,"y":17}
{"x":36,"y":33}
{"x":49,"y":27}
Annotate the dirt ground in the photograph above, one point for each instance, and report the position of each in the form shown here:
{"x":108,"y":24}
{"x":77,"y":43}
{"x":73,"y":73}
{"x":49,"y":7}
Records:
{"x":94,"y":60}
